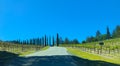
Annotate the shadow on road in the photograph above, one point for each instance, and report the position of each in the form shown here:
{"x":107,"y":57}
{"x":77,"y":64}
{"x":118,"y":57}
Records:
{"x":65,"y":60}
{"x":6,"y":57}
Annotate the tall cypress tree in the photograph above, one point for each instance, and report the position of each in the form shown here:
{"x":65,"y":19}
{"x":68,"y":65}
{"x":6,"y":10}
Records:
{"x":30,"y":41}
{"x":40,"y":41}
{"x":33,"y":41}
{"x":57,"y":40}
{"x":45,"y":41}
{"x":50,"y":40}
{"x":53,"y":41}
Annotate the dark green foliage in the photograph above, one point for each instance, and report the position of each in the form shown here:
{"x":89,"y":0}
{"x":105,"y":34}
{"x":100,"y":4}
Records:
{"x":27,"y":41}
{"x":75,"y":41}
{"x":31,"y":41}
{"x":57,"y":39}
{"x":53,"y":41}
{"x":103,"y":37}
{"x":40,"y":41}
{"x":98,"y":36}
{"x":50,"y":40}
{"x":90,"y":39}
{"x":83,"y":42}
{"x":67,"y":41}
{"x":45,"y":40}
{"x":6,"y":57}
{"x":108,"y":35}
{"x":116,"y":32}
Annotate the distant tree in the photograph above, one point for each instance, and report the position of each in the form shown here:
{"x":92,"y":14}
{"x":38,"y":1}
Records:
{"x":61,"y":40}
{"x":45,"y":40}
{"x":91,"y":39}
{"x":116,"y":32}
{"x":57,"y":39}
{"x":114,"y":35}
{"x":66,"y":41}
{"x":83,"y":41}
{"x":75,"y":41}
{"x":53,"y":41}
{"x":98,"y":35}
{"x":24,"y":42}
{"x":34,"y":41}
{"x":50,"y":40}
{"x":27,"y":41}
{"x":103,"y":37}
{"x":40,"y":41}
{"x":88,"y":39}
{"x":31,"y":41}
{"x":108,"y":35}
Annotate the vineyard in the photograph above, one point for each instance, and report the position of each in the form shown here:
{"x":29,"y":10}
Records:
{"x":20,"y":49}
{"x":110,"y":49}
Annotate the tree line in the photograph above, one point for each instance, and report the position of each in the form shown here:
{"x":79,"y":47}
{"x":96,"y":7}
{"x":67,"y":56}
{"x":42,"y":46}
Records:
{"x":46,"y":41}
{"x":101,"y":37}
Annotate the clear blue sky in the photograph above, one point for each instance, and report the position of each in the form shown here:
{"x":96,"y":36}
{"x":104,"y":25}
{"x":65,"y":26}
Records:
{"x":24,"y":19}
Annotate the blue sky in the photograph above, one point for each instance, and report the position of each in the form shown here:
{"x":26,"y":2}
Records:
{"x":24,"y":19}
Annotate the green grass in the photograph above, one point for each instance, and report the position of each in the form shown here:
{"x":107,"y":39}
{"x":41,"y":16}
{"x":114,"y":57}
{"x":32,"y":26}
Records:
{"x":29,"y":52}
{"x":89,"y":56}
{"x":45,"y":48}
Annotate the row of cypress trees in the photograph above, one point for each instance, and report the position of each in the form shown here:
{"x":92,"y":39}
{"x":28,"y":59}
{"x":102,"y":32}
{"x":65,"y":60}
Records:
{"x":43,"y":41}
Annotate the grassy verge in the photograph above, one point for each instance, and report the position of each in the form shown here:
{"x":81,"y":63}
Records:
{"x":29,"y":52}
{"x":89,"y":56}
{"x":45,"y":48}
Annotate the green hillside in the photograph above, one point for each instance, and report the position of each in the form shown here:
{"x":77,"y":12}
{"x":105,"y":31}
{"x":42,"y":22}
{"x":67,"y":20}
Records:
{"x":109,"y":52}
